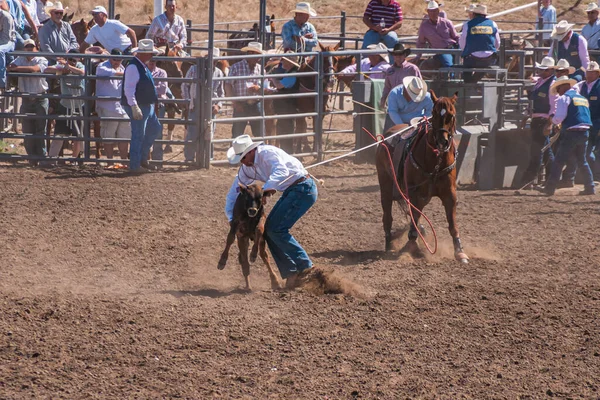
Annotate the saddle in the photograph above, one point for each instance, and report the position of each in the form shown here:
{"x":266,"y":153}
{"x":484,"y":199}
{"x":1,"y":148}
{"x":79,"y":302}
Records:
{"x":399,"y":146}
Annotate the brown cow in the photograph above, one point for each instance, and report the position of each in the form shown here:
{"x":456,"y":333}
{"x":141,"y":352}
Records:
{"x":248,"y":223}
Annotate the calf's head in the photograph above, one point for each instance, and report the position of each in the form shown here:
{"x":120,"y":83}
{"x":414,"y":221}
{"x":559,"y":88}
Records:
{"x":252,"y":195}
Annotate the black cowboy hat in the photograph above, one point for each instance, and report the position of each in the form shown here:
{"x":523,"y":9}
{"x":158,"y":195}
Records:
{"x":399,"y":50}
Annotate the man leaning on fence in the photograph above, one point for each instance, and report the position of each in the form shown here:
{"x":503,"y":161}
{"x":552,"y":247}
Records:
{"x":249,"y":67}
{"x":548,"y":16}
{"x":8,"y":36}
{"x":299,"y":35}
{"x":32,"y":105}
{"x":56,"y":36}
{"x":374,"y":66}
{"x":479,"y":41}
{"x":398,"y":71}
{"x":570,"y":46}
{"x":591,"y":30}
{"x":383,"y":18}
{"x":168,"y":29}
{"x":439,"y":33}
{"x":110,"y":33}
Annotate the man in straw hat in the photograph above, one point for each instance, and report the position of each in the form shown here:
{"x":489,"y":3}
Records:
{"x":479,"y":41}
{"x":438,"y":33}
{"x":399,"y":70}
{"x":591,"y":31}
{"x":110,"y":33}
{"x":55,"y":35}
{"x":469,"y":11}
{"x":248,"y":67}
{"x":139,"y":98}
{"x":373,"y":66}
{"x":541,"y":123}
{"x":548,"y":15}
{"x":571,"y":46}
{"x":280,"y":172}
{"x":168,"y":29}
{"x":298,"y":34}
{"x":407,"y":101}
{"x":383,"y":18}
{"x":573,"y":114}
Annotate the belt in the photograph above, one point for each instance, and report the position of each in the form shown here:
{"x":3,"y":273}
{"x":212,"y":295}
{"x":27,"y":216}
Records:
{"x":299,"y":180}
{"x":578,"y":130}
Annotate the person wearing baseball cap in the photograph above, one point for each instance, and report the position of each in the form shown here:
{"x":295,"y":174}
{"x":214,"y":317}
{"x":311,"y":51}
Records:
{"x":407,"y":101}
{"x":570,"y":46}
{"x":110,"y":33}
{"x":298,"y":34}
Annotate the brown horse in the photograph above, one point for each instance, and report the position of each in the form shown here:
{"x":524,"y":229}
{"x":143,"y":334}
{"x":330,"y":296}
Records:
{"x":426,"y":169}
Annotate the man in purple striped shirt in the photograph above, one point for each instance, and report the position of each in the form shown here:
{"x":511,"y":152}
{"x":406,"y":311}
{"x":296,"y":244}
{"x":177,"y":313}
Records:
{"x":383,"y":18}
{"x":440,"y":34}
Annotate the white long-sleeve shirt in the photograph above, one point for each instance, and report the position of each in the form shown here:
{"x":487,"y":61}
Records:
{"x":562,"y":106}
{"x":584,"y":56}
{"x":132,"y":77}
{"x":273,"y":166}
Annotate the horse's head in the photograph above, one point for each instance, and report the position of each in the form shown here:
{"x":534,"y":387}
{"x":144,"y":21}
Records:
{"x":443,"y":121}
{"x":252,"y":197}
{"x":81,"y":28}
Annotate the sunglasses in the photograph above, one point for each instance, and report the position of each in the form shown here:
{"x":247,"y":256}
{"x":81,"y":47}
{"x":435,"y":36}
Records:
{"x":58,"y":12}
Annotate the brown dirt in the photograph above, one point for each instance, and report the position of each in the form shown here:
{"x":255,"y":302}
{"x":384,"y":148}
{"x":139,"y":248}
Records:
{"x":109,"y":289}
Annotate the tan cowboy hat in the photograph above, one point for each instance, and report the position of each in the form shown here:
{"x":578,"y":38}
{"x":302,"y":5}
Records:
{"x":55,"y":7}
{"x":216,"y":52}
{"x":304,"y":8}
{"x":382,"y":47}
{"x":241,"y":146}
{"x":592,"y":7}
{"x":292,"y":60}
{"x":563,"y":80}
{"x":547,"y":63}
{"x":561,"y":30}
{"x":593,"y":67}
{"x":433,"y":5}
{"x":517,"y":41}
{"x":416,"y":88}
{"x":253,"y":47}
{"x":145,"y":46}
{"x":480,"y":9}
{"x":563,"y":64}
{"x":470,"y":8}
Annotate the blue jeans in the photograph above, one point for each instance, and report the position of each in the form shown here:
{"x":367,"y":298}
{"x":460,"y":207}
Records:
{"x":445,"y":60}
{"x":35,"y":147}
{"x":289,"y":256}
{"x":143,"y":133}
{"x":157,"y":148}
{"x":372,"y":37}
{"x":4,"y":48}
{"x":475,"y":62}
{"x":19,"y":42}
{"x":575,"y":143}
{"x":592,"y":157}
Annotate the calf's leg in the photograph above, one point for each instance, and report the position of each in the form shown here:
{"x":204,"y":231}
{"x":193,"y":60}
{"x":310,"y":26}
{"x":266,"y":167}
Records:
{"x":243,"y":242}
{"x":230,"y":239}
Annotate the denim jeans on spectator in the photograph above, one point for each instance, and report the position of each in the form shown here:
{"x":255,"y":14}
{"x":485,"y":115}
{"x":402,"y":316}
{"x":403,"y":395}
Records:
{"x":474,"y":62}
{"x":4,"y":48}
{"x":575,"y":143}
{"x":536,"y":158}
{"x":445,"y":60}
{"x":34,"y":147}
{"x":143,"y":134}
{"x":591,"y":154}
{"x":296,"y":200}
{"x":372,"y":37}
{"x":246,"y":110}
{"x":19,"y":42}
{"x":157,"y":148}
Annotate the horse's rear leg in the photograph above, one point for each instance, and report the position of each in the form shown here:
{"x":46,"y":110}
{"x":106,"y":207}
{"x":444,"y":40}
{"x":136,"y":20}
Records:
{"x":450,"y":202}
{"x":170,"y":128}
{"x":386,"y":189}
{"x":412,"y":246}
{"x":243,"y":242}
{"x":301,"y":127}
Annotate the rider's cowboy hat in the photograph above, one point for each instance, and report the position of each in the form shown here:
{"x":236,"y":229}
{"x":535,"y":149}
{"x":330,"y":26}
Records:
{"x":416,"y":88}
{"x":547,"y":63}
{"x":433,"y":5}
{"x":55,"y":7}
{"x":592,"y":7}
{"x":253,"y":47}
{"x":563,"y":64}
{"x":304,"y":8}
{"x":593,"y":67}
{"x":215,"y":51}
{"x":563,"y":80}
{"x":145,"y":46}
{"x":561,"y":30}
{"x":399,"y":50}
{"x":98,"y":10}
{"x":241,"y":146}
{"x":480,"y":9}
{"x":380,"y":46}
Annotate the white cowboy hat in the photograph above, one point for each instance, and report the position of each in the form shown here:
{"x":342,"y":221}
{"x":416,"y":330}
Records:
{"x":592,"y":7}
{"x":304,"y":8}
{"x":416,"y":88}
{"x":593,"y":67}
{"x":253,"y":47}
{"x":480,"y":9}
{"x":563,"y":80}
{"x":241,"y":146}
{"x":547,"y":62}
{"x":55,"y":7}
{"x":564,"y":64}
{"x":470,"y":8}
{"x":99,"y":9}
{"x":216,"y":52}
{"x":433,"y":5}
{"x":383,"y":47}
{"x":145,"y":46}
{"x":561,"y":30}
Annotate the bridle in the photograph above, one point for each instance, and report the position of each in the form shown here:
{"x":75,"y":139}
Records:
{"x":442,"y":130}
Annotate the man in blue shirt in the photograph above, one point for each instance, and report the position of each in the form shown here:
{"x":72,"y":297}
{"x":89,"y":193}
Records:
{"x":479,"y":41}
{"x":299,"y":35}
{"x":407,"y":101}
{"x":548,"y":15}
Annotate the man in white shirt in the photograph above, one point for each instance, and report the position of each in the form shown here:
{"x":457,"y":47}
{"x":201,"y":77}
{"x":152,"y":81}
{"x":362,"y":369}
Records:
{"x":280,"y":172}
{"x":548,"y":14}
{"x":168,"y":29}
{"x":591,"y":31}
{"x":111,"y":34}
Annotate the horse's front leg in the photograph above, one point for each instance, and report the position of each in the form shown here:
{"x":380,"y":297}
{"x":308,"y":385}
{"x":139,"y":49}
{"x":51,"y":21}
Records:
{"x":230,"y":239}
{"x":450,"y":202}
{"x":386,"y":188}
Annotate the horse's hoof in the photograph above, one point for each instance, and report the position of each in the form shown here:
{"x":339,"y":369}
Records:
{"x":252,"y":257}
{"x":462,"y":258}
{"x":275,"y":285}
{"x":222,"y":264}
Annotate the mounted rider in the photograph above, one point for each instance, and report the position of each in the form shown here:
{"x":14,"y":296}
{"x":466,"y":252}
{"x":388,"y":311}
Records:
{"x":168,"y":29}
{"x":571,"y":46}
{"x":407,"y":101}
{"x":298,"y":34}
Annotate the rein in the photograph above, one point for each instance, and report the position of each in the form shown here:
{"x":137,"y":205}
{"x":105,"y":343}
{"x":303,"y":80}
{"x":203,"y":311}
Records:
{"x":437,"y":172}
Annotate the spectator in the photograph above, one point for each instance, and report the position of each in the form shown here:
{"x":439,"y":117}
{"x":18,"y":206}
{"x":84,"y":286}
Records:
{"x":591,"y":30}
{"x":162,"y":87}
{"x":541,"y":123}
{"x":469,"y":11}
{"x":32,"y":105}
{"x":41,"y":11}
{"x":111,"y":34}
{"x":442,"y":13}
{"x":548,"y":15}
{"x":298,"y":34}
{"x":570,"y":46}
{"x":286,"y":106}
{"x":573,"y":114}
{"x":439,"y":33}
{"x":189,"y":93}
{"x":398,"y":71}
{"x":15,"y":9}
{"x":168,"y":29}
{"x":31,"y":19}
{"x":407,"y":101}
{"x":112,"y":108}
{"x":138,"y":99}
{"x":373,"y":66}
{"x":479,"y":41}
{"x":251,"y":86}
{"x":383,"y":18}
{"x":57,"y":36}
{"x":70,"y":85}
{"x":8,"y":36}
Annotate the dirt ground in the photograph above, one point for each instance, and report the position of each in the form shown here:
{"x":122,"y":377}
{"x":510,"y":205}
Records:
{"x":109,"y":289}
